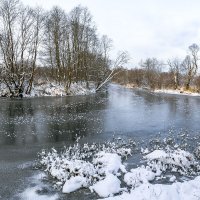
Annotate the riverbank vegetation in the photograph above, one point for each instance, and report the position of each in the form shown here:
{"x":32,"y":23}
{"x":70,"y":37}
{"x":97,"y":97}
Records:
{"x":39,"y":46}
{"x":58,"y":49}
{"x":152,"y":74}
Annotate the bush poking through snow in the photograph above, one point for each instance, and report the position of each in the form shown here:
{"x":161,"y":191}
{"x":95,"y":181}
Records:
{"x":139,"y":176}
{"x":174,"y":160}
{"x":99,"y":167}
{"x":88,"y":165}
{"x":197,"y":152}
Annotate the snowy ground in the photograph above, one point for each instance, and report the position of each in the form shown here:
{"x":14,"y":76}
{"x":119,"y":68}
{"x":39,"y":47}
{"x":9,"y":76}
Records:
{"x":101,"y":169}
{"x":165,"y":91}
{"x":53,"y":89}
{"x":179,"y":92}
{"x":189,"y":190}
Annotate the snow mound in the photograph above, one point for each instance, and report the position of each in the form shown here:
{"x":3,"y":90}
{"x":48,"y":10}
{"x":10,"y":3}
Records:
{"x":74,"y":183}
{"x":175,"y":160}
{"x":100,"y":168}
{"x":107,"y":162}
{"x":107,"y":187}
{"x":139,"y":176}
{"x":86,"y":166}
{"x":189,"y":190}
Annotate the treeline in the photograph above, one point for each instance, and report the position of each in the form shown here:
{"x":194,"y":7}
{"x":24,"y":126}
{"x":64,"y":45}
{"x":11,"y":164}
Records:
{"x":63,"y":47}
{"x":181,"y":74}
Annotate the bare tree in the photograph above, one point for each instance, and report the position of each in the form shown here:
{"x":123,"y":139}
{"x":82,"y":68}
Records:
{"x":19,"y":44}
{"x":152,"y":68}
{"x":121,"y":59}
{"x":84,"y":43}
{"x":69,"y":45}
{"x":55,"y":26}
{"x":190,"y":64}
{"x":175,"y":68}
{"x":36,"y":39}
{"x":103,"y":60}
{"x":9,"y":15}
{"x":73,"y":50}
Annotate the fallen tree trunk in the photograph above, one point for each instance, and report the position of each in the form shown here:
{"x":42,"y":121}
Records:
{"x":121,"y":59}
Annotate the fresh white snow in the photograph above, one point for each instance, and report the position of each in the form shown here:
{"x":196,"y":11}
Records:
{"x":108,"y":163}
{"x":108,"y":186}
{"x":74,"y":183}
{"x":73,"y":171}
{"x":175,"y":160}
{"x":139,"y":176}
{"x":179,"y":92}
{"x":100,"y":168}
{"x":189,"y":190}
{"x":54,"y":89}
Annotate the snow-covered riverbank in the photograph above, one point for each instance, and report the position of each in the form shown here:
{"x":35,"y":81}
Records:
{"x":53,"y":89}
{"x":178,"y":92}
{"x":165,"y":91}
{"x":102,"y":170}
{"x":188,"y":190}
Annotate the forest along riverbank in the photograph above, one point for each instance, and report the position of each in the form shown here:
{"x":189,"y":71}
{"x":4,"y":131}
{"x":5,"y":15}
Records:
{"x":150,"y":121}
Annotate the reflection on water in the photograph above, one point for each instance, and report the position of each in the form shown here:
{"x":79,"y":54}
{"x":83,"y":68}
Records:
{"x":140,"y":113}
{"x":43,"y":120}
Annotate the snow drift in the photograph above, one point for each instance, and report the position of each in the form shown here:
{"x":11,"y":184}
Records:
{"x":100,"y":168}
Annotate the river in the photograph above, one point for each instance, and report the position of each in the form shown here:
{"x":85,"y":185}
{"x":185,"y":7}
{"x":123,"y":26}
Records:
{"x":29,"y":125}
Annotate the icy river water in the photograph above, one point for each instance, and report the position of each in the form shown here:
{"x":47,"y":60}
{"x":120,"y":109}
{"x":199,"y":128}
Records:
{"x":27,"y":126}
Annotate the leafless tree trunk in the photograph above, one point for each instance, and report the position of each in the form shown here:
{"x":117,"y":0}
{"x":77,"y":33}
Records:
{"x":38,"y":19}
{"x":19,"y":44}
{"x":152,"y":68}
{"x":190,"y":64}
{"x":175,"y":68}
{"x":121,"y":59}
{"x":8,"y":45}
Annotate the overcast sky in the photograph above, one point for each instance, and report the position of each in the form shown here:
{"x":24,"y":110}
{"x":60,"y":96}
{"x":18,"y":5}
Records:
{"x":145,"y":28}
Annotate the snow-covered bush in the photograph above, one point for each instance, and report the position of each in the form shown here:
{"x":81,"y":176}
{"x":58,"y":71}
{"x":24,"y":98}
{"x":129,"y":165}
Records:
{"x":100,"y":167}
{"x":197,"y":152}
{"x":87,"y":166}
{"x":174,"y":160}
